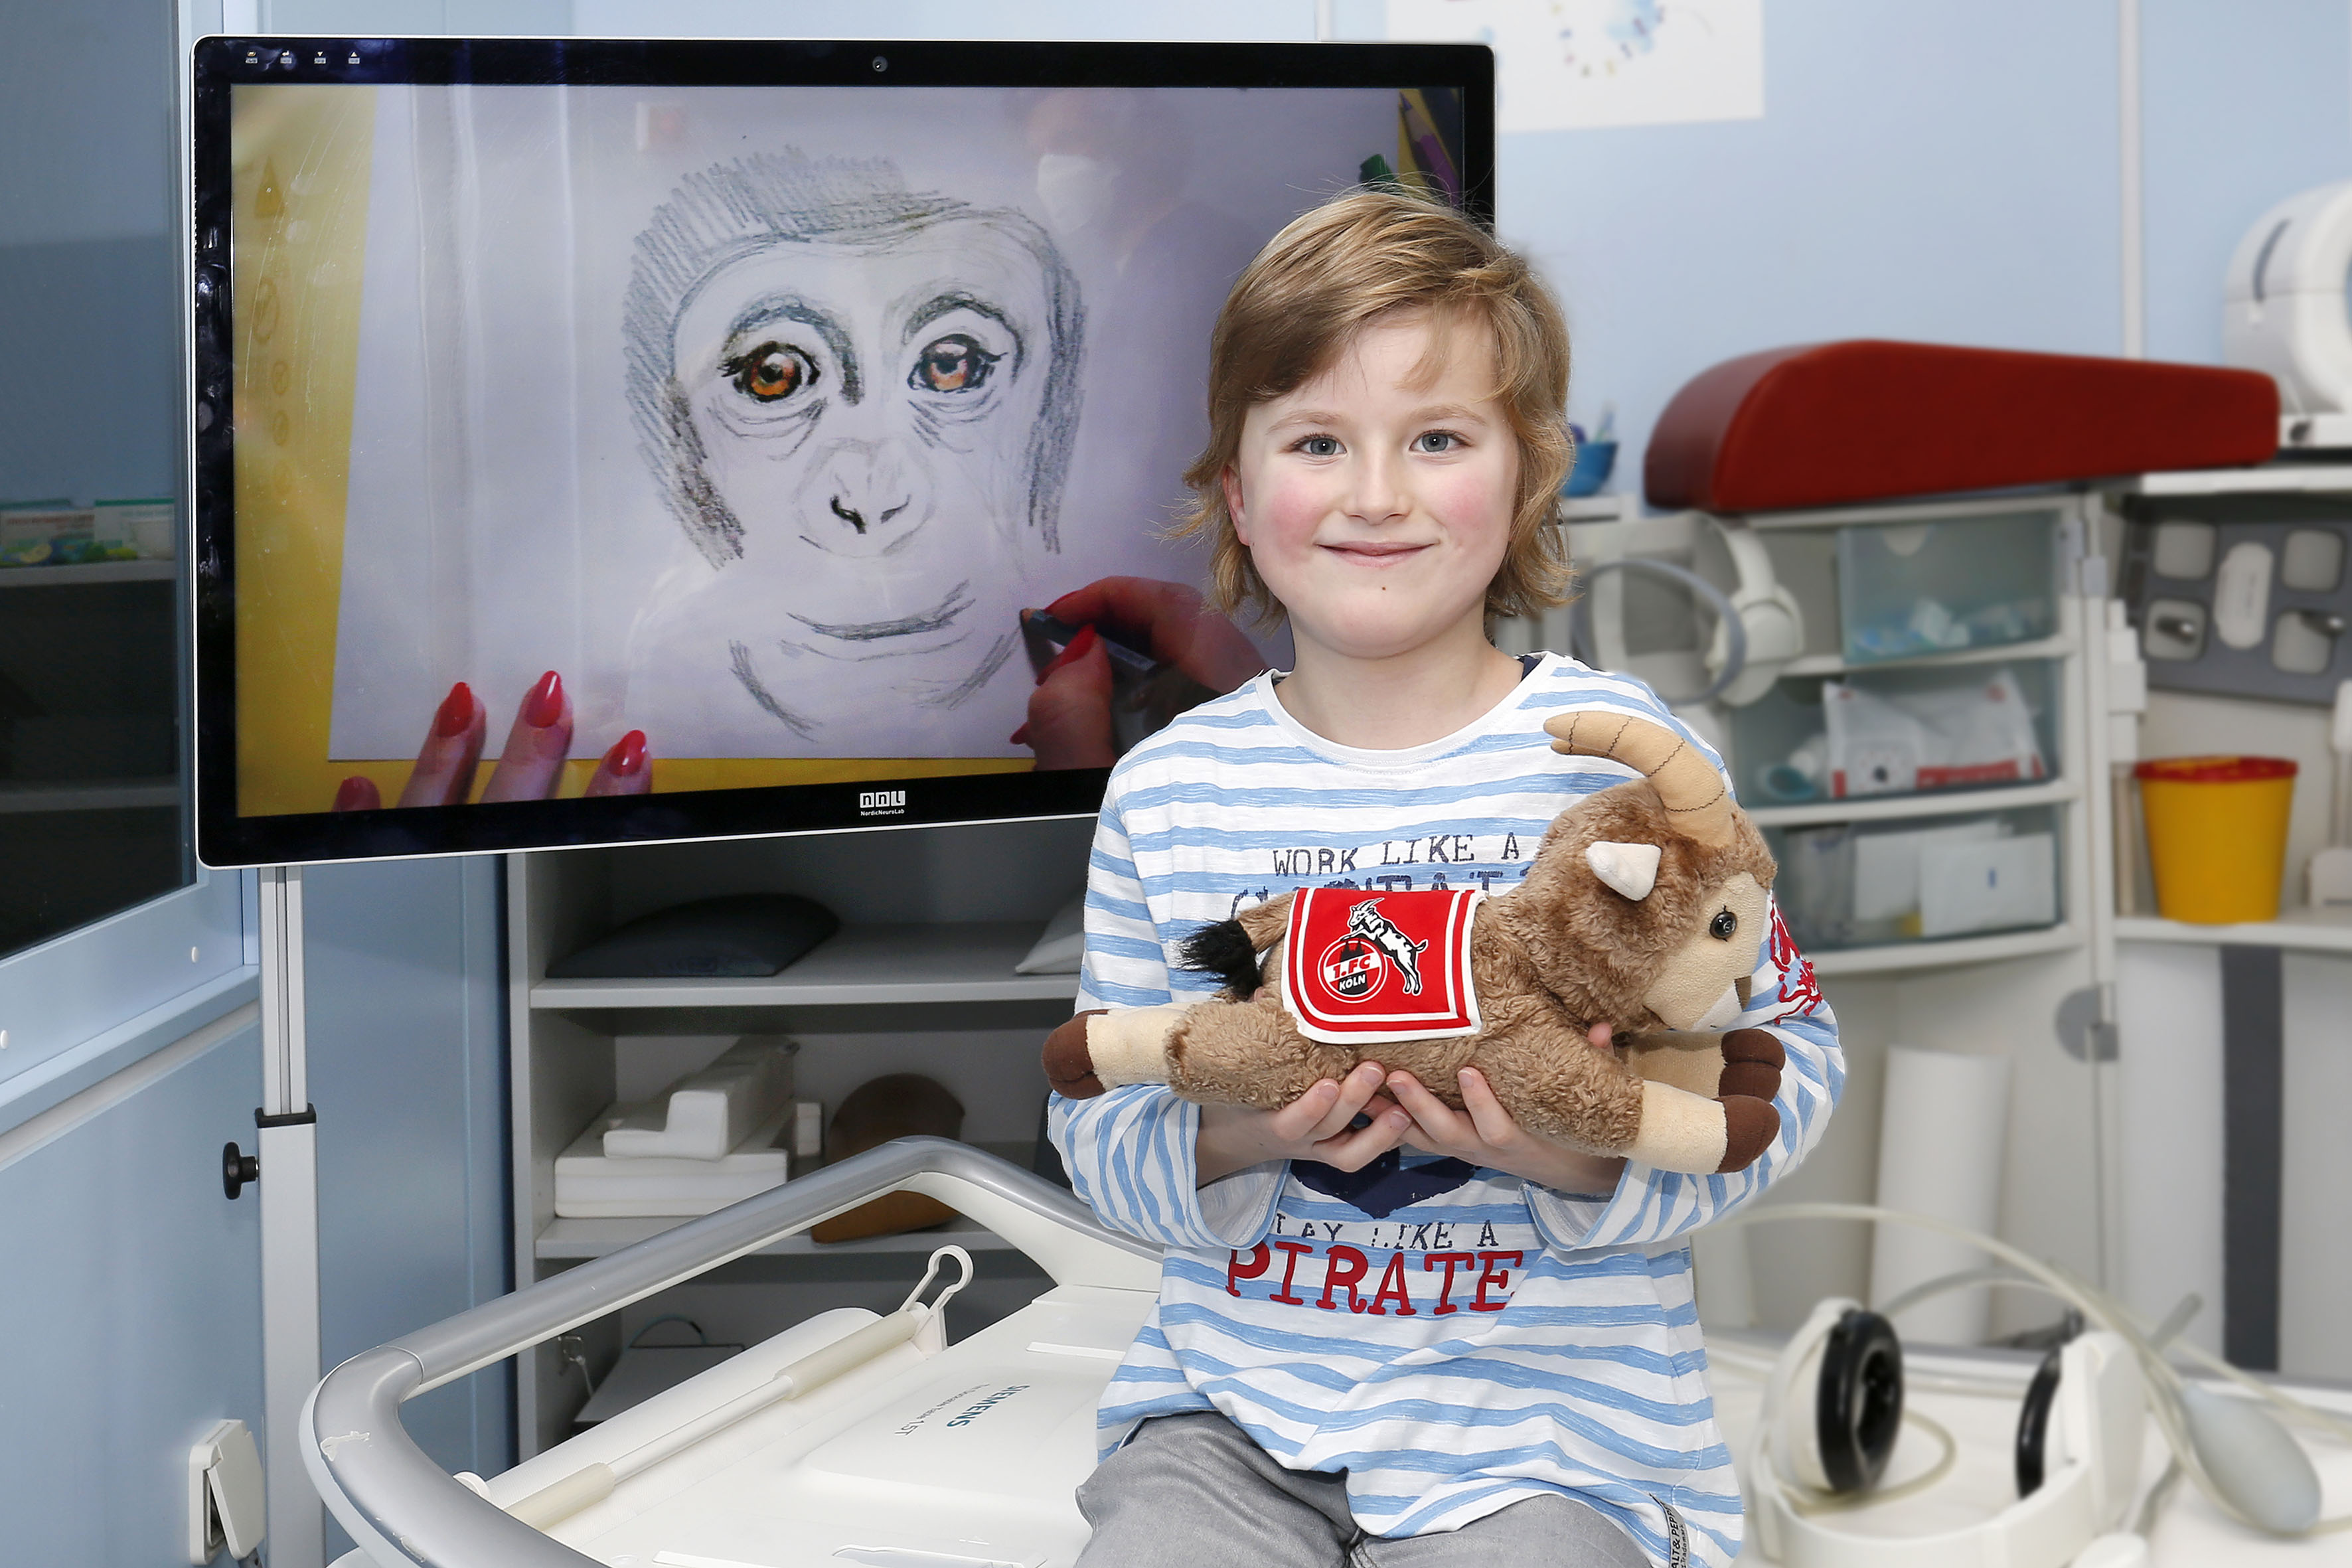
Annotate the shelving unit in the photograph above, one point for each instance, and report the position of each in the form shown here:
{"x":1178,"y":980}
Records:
{"x":2242,"y":1022}
{"x":919,"y":978}
{"x":1801,"y":545}
{"x":90,"y":796}
{"x":1928,"y":994}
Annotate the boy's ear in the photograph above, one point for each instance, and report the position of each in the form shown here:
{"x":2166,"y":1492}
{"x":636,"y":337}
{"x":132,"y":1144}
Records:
{"x":1232,"y":482}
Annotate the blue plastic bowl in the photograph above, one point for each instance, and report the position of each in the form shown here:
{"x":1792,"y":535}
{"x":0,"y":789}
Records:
{"x":1593,"y":461}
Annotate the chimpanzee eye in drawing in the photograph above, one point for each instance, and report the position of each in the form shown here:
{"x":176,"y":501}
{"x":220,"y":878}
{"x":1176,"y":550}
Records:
{"x":770,"y":372}
{"x":952,"y":364}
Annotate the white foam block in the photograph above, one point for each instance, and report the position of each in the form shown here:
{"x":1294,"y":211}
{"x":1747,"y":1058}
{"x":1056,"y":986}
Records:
{"x":590,"y":1184}
{"x":705,"y":1114}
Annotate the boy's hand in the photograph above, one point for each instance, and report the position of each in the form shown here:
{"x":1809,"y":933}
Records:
{"x":1315,"y":1126}
{"x":1483,"y":1133}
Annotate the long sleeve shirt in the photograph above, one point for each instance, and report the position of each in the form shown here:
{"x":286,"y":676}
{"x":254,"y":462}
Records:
{"x":1455,"y":1339}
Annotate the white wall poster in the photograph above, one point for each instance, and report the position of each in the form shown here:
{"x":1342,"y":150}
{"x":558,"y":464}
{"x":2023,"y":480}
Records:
{"x":1562,"y":65}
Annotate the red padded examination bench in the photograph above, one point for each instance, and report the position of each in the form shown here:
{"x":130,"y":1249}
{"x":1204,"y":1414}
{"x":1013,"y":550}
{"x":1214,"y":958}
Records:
{"x":1868,"y":419}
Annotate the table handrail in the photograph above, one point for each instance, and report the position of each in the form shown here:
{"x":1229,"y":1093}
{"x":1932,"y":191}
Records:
{"x":392,"y":1497}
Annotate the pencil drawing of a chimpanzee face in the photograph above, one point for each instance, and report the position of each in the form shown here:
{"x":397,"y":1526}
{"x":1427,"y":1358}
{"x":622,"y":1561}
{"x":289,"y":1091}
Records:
{"x":859,"y":400}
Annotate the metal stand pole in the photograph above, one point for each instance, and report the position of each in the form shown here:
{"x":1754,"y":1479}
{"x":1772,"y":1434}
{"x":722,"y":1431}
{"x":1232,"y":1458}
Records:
{"x":289,"y":1228}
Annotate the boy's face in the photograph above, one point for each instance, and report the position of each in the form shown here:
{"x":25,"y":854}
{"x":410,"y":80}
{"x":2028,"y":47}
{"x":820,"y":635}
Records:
{"x":1375,"y":500}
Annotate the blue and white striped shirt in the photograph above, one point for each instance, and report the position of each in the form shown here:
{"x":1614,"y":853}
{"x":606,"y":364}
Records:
{"x":1454,"y":1341}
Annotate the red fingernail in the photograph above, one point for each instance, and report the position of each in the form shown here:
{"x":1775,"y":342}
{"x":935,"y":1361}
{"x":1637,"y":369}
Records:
{"x":628,"y":755}
{"x":456,"y":712}
{"x":1019,"y":737}
{"x":544,"y":706}
{"x":357,"y":793}
{"x":1080,"y":647}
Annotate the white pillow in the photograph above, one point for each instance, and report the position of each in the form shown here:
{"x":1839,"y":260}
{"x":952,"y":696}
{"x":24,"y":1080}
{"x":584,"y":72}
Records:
{"x":1059,"y":951}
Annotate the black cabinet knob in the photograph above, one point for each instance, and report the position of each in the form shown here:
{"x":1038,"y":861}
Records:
{"x":239,"y":1169}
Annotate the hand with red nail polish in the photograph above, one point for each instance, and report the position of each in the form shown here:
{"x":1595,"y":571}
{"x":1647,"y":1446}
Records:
{"x":530,"y":765}
{"x":443,"y":774}
{"x":1070,"y":713}
{"x":1069,"y":725}
{"x":625,"y":768}
{"x":358,"y":792}
{"x":1077,"y":649}
{"x":532,"y":761}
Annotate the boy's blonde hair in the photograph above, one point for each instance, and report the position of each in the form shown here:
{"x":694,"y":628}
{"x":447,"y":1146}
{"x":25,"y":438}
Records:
{"x":1295,"y":309}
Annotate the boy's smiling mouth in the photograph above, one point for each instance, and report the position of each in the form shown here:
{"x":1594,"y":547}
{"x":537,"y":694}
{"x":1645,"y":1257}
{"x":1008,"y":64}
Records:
{"x":1374,"y":553}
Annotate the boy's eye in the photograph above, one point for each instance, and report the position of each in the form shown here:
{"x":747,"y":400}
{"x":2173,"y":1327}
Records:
{"x":1436,"y":441}
{"x":1320,"y":446}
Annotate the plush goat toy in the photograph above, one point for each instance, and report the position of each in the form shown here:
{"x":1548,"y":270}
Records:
{"x":1644,"y":908}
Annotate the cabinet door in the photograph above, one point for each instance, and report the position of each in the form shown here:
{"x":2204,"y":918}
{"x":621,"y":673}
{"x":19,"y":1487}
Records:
{"x":130,"y":1301}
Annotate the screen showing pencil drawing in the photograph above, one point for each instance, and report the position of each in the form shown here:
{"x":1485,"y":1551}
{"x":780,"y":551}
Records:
{"x":761,"y":415}
{"x":858,"y":401}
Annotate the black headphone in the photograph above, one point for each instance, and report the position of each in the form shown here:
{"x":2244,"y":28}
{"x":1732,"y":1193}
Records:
{"x":1834,"y":1409}
{"x":1858,"y":1409}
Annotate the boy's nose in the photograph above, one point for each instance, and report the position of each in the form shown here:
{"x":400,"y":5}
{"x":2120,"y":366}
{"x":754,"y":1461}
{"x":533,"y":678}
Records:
{"x":1378,"y":494}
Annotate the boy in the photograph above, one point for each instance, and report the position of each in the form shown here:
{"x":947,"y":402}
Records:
{"x":1389,"y":1332}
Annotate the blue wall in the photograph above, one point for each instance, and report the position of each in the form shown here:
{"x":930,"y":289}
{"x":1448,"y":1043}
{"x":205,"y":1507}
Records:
{"x":2243,"y":107}
{"x":1940,"y":171}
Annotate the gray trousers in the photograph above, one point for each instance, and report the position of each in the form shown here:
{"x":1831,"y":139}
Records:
{"x":1194,"y":1491}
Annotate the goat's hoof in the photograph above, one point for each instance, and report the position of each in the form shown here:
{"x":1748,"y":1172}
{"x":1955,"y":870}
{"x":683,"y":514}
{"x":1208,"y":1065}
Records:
{"x":1752,"y":1060}
{"x":1749,"y":1126}
{"x":1069,"y":1064}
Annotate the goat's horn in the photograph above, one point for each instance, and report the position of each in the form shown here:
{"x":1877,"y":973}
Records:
{"x":1687,"y":784}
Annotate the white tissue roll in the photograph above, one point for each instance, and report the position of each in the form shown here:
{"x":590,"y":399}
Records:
{"x":1942,"y":1132}
{"x":1725,"y":1279}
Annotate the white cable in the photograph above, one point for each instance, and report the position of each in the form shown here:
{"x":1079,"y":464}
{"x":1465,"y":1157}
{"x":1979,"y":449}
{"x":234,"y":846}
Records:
{"x":1811,"y":1500}
{"x":1760,"y":1366}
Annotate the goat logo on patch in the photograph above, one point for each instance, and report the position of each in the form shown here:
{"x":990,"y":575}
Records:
{"x":1342,"y":949}
{"x":1365,"y":921}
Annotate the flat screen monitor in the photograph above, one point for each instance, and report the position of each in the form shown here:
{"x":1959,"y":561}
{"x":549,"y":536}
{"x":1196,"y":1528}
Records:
{"x":755,"y":388}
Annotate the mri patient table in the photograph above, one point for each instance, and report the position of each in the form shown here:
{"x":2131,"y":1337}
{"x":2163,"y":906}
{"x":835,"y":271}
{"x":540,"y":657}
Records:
{"x":891,"y":1449}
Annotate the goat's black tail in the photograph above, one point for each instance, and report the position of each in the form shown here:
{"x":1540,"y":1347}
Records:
{"x":1223,"y":949}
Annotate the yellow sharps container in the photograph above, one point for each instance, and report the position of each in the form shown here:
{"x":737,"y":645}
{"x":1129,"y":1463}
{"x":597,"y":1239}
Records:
{"x":2217,"y":835}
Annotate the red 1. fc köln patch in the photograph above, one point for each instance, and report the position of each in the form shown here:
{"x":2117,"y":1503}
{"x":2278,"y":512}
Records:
{"x":1359,"y":969}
